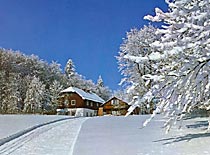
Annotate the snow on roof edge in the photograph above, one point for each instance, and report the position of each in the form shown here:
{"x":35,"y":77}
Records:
{"x":83,"y":94}
{"x":116,"y":98}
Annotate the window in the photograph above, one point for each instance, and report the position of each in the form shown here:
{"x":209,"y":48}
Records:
{"x":66,"y":101}
{"x":73,"y":102}
{"x":115,"y":102}
{"x":91,"y":104}
{"x":87,"y":103}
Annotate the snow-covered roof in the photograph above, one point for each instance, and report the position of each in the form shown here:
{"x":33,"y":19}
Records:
{"x":83,"y":94}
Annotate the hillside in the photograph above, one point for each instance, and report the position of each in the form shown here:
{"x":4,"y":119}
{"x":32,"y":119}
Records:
{"x":111,"y":135}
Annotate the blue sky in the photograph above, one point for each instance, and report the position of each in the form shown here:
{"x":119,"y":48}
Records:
{"x":87,"y":31}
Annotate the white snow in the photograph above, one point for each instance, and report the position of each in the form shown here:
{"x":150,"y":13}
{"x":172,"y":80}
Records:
{"x":12,"y":124}
{"x":112,"y":136}
{"x":155,"y":78}
{"x":136,"y":59}
{"x":124,"y":136}
{"x":56,"y":138}
{"x":84,"y":95}
{"x":155,"y":56}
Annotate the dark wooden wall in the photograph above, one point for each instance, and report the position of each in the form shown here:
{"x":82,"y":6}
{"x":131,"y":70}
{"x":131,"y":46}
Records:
{"x":80,"y":103}
{"x":122,"y":107}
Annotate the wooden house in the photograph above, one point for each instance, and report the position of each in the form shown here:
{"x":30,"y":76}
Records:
{"x":113,"y":106}
{"x":77,"y":102}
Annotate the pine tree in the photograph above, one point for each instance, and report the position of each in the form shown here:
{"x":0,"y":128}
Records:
{"x":100,"y":82}
{"x":70,"y":69}
{"x":101,"y":90}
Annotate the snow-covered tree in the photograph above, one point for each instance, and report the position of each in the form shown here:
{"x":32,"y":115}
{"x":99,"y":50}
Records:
{"x":136,"y":60}
{"x":54,"y":91}
{"x":13,"y":94}
{"x":101,"y":90}
{"x":3,"y":93}
{"x":9,"y":93}
{"x":34,"y":96}
{"x":121,"y":94}
{"x":74,"y":79}
{"x":56,"y":73}
{"x":183,"y":52}
{"x":100,"y":82}
{"x":70,"y":69}
{"x":79,"y":81}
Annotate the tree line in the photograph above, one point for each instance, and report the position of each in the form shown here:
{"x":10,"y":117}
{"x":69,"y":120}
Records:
{"x":31,"y":85}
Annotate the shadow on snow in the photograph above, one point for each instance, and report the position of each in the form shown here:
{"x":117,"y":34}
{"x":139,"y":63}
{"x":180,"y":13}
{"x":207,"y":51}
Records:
{"x":199,"y":124}
{"x":203,"y":125}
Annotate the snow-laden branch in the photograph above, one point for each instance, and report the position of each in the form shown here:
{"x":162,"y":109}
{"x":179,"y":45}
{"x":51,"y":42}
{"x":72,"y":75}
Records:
{"x":179,"y":59}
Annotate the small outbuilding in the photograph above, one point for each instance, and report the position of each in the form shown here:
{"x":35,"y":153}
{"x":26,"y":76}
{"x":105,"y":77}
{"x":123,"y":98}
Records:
{"x":77,"y":102}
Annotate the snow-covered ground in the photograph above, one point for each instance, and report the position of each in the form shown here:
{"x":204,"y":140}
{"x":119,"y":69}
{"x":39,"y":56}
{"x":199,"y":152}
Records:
{"x":124,"y":136}
{"x":112,"y":136}
{"x":52,"y":139}
{"x":12,"y":124}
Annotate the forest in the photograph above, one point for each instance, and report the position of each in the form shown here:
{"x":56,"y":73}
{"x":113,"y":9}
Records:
{"x":31,"y":85}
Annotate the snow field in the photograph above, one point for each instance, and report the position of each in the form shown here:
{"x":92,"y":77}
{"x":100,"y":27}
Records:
{"x":124,"y":136}
{"x":53,"y":139}
{"x":111,"y":135}
{"x":12,"y":124}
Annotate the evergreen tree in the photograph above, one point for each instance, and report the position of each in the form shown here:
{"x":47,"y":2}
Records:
{"x":100,"y":82}
{"x":101,"y":90}
{"x":70,"y":69}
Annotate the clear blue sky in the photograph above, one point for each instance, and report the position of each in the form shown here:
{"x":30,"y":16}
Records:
{"x":87,"y":31}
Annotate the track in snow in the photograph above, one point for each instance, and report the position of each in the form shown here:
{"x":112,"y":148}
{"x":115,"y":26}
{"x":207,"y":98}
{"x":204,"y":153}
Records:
{"x":53,"y":139}
{"x":25,"y":131}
